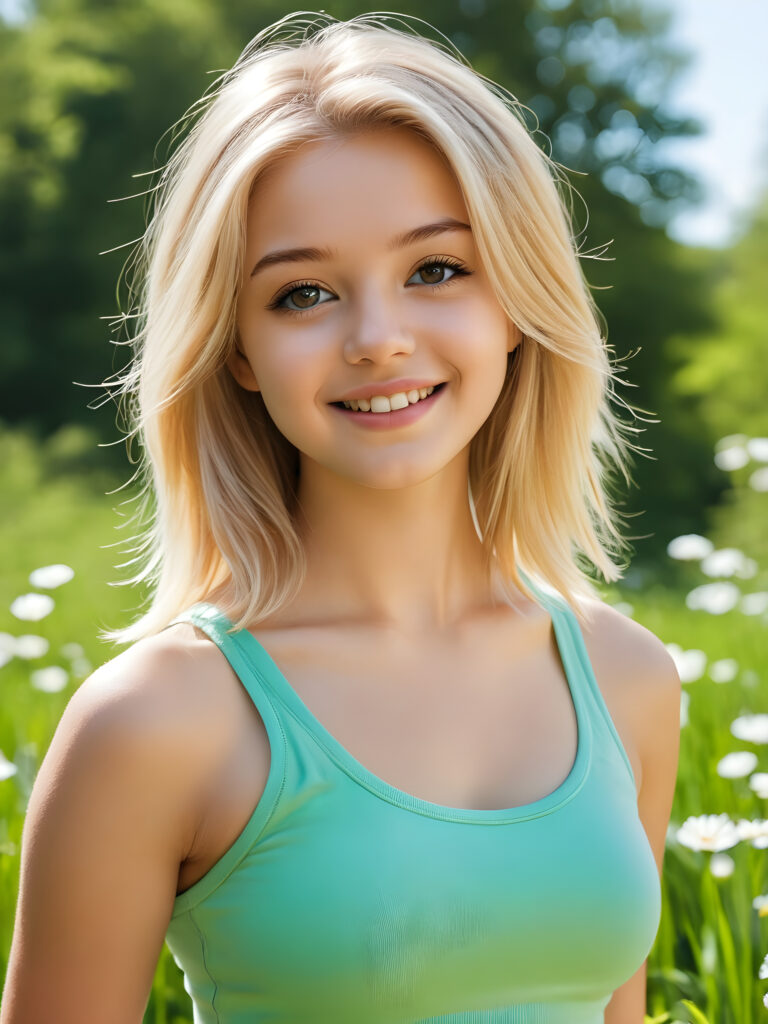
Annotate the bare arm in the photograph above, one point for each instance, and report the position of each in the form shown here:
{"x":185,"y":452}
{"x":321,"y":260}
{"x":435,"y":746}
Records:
{"x":657,"y":705}
{"x":111,"y":816}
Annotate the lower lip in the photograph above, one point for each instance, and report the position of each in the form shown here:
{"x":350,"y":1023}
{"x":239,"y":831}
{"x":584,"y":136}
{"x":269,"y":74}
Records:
{"x":389,"y":420}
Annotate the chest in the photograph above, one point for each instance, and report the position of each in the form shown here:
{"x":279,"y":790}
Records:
{"x":483,"y":721}
{"x":349,"y":903}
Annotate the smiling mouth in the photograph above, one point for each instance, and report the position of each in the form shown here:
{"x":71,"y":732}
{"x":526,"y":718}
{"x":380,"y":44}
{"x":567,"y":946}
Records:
{"x":435,"y":389}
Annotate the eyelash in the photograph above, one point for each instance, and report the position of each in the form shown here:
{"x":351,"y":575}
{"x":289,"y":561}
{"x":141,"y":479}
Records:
{"x":438,"y":261}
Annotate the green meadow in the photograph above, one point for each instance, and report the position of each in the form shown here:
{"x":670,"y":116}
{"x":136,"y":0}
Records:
{"x":706,"y":961}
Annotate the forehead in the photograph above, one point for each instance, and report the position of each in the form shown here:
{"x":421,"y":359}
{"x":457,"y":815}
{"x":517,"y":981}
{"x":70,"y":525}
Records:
{"x":375,"y":184}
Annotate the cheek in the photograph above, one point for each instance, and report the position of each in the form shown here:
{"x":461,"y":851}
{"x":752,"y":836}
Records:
{"x":285,"y":361}
{"x":478,"y":333}
{"x":292,"y":375}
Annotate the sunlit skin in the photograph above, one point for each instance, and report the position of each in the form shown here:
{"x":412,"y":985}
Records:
{"x":390,"y":537}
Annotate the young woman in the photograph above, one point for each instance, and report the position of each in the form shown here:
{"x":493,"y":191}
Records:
{"x":377,"y":752}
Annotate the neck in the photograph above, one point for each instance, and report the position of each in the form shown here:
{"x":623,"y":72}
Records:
{"x":407,"y":558}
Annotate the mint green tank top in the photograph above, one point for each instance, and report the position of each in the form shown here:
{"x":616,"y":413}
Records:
{"x":347,"y":901}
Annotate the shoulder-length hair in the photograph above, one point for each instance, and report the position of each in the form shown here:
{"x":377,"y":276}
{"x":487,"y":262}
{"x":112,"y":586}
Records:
{"x":218,"y":492}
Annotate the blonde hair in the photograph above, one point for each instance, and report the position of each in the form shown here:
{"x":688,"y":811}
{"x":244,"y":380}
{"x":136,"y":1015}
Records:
{"x":219,"y":480}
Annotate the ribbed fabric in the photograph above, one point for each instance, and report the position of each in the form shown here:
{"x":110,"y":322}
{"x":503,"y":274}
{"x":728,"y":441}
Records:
{"x":347,"y":901}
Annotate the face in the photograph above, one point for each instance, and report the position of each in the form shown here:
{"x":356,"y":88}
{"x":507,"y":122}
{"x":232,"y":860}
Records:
{"x":361,"y":273}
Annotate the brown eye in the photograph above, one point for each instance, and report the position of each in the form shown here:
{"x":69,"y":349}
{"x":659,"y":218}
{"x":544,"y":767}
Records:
{"x":433,"y":274}
{"x":300,"y":298}
{"x":438,"y":271}
{"x":305,"y":297}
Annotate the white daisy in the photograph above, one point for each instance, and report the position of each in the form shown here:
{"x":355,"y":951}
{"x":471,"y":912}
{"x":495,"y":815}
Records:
{"x":32,"y":607}
{"x":759,"y":783}
{"x":737,"y":764}
{"x":752,"y":728}
{"x":760,"y":904}
{"x":7,"y":768}
{"x":753,"y":831}
{"x":758,"y":448}
{"x":731,"y":458}
{"x":715,"y":598}
{"x":689,"y":547}
{"x":50,"y":576}
{"x":713,"y":832}
{"x":50,"y":679}
{"x":758,"y":480}
{"x":724,"y":670}
{"x":30,"y":646}
{"x":728,"y":562}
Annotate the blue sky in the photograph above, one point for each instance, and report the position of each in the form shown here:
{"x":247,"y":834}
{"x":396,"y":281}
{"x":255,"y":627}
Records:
{"x":726,"y":86}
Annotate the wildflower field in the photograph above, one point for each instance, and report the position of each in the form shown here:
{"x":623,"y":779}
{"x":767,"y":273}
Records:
{"x":709,"y":964}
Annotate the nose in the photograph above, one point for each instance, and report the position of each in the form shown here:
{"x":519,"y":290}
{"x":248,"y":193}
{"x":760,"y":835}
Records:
{"x":377,"y":330}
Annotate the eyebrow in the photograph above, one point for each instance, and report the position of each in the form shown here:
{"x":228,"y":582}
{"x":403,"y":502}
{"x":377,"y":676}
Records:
{"x":398,"y":242}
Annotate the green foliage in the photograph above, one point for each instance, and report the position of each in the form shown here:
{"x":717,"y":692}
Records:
{"x":725,"y":370}
{"x":722,"y":376}
{"x":88,"y":90}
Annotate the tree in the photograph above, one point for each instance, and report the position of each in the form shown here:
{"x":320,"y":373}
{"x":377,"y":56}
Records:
{"x":723,"y":374}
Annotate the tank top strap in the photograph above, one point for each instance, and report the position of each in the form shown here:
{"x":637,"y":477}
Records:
{"x":218,"y":628}
{"x":577,"y":663}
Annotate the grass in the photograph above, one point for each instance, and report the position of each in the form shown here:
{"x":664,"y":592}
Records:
{"x":710,"y":944}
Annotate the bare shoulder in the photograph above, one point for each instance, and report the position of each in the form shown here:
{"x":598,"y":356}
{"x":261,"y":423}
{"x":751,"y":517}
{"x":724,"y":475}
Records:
{"x":637,"y":673}
{"x":626,"y":650}
{"x":170,"y":679}
{"x":168,"y":698}
{"x":634,"y":664}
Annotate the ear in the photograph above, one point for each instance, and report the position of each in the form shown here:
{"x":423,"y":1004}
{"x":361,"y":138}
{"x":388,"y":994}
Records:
{"x":240,"y":368}
{"x":514,"y":337}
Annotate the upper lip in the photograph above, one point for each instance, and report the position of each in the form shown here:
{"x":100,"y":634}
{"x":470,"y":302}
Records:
{"x":389,"y":387}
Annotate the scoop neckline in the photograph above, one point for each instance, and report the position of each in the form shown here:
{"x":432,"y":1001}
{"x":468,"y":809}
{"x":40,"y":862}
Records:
{"x":268,"y":671}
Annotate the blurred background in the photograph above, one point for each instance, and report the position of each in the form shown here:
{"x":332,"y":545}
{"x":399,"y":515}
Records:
{"x":659,"y":112}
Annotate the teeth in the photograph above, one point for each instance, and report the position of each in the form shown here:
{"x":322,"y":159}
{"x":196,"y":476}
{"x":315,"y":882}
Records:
{"x":380,"y":403}
{"x":384,"y":403}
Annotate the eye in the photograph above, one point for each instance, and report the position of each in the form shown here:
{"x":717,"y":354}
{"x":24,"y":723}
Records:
{"x":300,"y":297}
{"x":437,"y":271}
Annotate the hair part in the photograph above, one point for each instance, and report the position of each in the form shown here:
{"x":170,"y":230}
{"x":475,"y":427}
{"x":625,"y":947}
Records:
{"x":539,"y":467}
